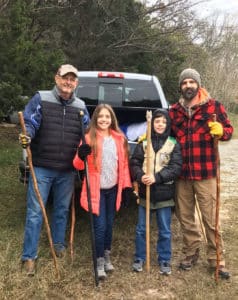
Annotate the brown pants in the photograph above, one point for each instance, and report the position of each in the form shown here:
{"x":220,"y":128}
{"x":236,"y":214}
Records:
{"x":205,"y":192}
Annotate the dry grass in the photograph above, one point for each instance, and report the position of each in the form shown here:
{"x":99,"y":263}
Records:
{"x":77,"y":281}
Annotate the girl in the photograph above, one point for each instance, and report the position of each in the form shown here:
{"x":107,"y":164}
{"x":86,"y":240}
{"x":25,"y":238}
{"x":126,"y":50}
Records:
{"x":106,"y":150}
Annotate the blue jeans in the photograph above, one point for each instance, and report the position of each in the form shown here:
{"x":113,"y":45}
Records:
{"x":61,"y":185}
{"x":103,"y":223}
{"x":163,"y":217}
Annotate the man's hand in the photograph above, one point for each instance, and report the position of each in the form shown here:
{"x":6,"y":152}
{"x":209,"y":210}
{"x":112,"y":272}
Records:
{"x":84,"y":150}
{"x":216,"y":129}
{"x":24,"y":140}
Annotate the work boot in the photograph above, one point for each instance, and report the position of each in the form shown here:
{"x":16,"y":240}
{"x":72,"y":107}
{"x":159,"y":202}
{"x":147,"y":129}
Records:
{"x":29,"y":267}
{"x":100,"y":268}
{"x":222,"y":272}
{"x":189,"y":261}
{"x":108,"y":265}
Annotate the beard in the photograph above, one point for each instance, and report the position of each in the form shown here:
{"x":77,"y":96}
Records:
{"x":189,"y":93}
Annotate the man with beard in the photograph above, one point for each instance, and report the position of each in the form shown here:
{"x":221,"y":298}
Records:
{"x":194,"y":127}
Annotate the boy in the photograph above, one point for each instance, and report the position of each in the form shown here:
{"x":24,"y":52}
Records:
{"x":166,"y":163}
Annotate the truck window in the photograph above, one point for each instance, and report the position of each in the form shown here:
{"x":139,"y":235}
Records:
{"x":141,"y":93}
{"x":87,"y":90}
{"x":110,"y":93}
{"x":130,"y":92}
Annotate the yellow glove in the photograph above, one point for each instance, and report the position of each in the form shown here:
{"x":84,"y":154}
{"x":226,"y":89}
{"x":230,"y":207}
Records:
{"x":216,"y":129}
{"x":142,"y":138}
{"x":24,"y":140}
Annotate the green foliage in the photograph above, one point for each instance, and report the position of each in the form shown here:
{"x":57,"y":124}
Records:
{"x":26,"y":65}
{"x":9,"y":98}
{"x":121,"y":35}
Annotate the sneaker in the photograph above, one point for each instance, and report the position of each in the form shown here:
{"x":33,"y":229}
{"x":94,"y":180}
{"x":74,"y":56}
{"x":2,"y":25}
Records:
{"x":108,"y":266}
{"x":189,"y":261}
{"x":29,"y":267}
{"x":137,"y":265}
{"x":165,"y":268}
{"x":100,"y":268}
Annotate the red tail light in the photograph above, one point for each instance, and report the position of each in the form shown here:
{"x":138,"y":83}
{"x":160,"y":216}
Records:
{"x":110,"y":75}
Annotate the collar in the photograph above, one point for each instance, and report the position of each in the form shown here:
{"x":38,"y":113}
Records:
{"x":202,"y":97}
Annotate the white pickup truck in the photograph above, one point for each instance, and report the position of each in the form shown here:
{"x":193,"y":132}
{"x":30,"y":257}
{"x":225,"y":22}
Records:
{"x":130,"y":95}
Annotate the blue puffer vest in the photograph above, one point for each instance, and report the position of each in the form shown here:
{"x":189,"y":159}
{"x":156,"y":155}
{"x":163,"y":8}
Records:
{"x":56,"y":141}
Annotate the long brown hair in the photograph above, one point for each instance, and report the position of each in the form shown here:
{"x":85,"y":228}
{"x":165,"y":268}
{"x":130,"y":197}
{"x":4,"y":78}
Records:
{"x":92,"y":129}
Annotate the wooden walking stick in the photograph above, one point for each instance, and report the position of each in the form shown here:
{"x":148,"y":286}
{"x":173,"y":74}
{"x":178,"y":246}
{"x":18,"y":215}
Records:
{"x":71,"y":240}
{"x":38,"y":195}
{"x":217,"y":204}
{"x":81,"y":114}
{"x":148,"y":162}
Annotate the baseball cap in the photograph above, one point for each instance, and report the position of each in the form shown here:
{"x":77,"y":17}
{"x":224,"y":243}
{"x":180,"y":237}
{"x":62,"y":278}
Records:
{"x":65,"y":69}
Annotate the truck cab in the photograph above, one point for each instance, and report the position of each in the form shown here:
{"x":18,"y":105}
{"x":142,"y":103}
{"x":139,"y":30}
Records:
{"x":130,"y":94}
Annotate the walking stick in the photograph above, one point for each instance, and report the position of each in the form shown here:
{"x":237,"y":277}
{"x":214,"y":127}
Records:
{"x":148,"y":137}
{"x":71,"y":240}
{"x":89,"y":205}
{"x":38,"y":195}
{"x":217,"y":204}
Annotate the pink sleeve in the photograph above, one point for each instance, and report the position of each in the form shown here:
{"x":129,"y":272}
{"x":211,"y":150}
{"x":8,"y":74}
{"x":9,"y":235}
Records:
{"x":127,"y":178}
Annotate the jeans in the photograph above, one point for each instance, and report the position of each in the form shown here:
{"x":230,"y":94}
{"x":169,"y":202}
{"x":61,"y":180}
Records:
{"x":61,"y":185}
{"x":103,"y":223}
{"x":163,"y":218}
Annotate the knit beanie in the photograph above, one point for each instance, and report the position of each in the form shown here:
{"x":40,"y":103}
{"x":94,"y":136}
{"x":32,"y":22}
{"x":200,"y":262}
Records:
{"x":190,"y":73}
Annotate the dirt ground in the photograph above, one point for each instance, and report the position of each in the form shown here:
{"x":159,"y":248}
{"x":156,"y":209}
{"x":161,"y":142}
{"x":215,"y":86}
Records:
{"x":77,"y":280}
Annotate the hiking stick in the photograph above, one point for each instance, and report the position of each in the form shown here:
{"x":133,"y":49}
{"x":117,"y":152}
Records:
{"x":71,"y":240}
{"x":148,"y":137}
{"x":217,"y":203}
{"x":89,"y":205}
{"x":38,"y":195}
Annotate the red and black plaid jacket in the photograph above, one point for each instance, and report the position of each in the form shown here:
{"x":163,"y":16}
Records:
{"x":193,"y":134}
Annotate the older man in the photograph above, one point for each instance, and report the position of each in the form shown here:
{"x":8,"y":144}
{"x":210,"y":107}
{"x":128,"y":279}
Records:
{"x":53,"y":132}
{"x":194,"y":127}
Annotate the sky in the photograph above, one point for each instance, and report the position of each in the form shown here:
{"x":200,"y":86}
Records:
{"x":221,"y":6}
{"x":212,"y":6}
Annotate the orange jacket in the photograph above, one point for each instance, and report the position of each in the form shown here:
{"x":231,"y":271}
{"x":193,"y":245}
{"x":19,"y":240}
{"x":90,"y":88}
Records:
{"x":94,"y":173}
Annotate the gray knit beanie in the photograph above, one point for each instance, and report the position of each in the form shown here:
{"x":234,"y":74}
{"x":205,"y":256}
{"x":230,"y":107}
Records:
{"x":190,"y":73}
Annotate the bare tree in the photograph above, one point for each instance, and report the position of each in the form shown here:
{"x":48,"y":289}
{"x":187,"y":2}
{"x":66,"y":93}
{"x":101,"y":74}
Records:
{"x":220,"y":42}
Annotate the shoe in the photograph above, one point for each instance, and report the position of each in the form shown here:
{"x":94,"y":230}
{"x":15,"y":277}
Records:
{"x":29,"y":267}
{"x":60,"y":250}
{"x":222,"y":272}
{"x":60,"y":253}
{"x":137,"y":265}
{"x":165,"y":268}
{"x":100,"y":268}
{"x":189,"y":261}
{"x":108,"y":266}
